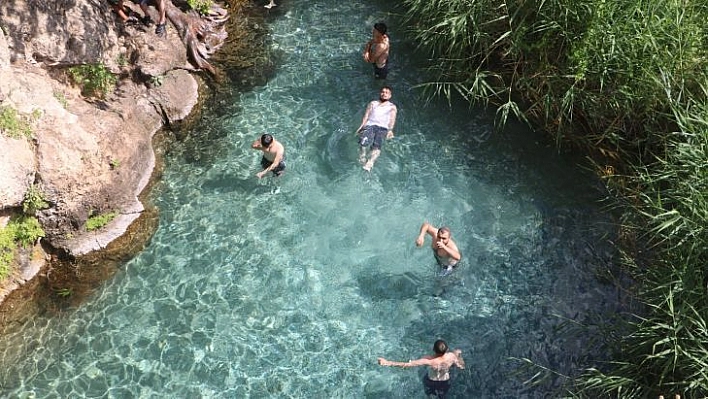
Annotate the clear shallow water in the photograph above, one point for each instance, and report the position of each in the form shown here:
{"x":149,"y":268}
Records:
{"x":293,"y":287}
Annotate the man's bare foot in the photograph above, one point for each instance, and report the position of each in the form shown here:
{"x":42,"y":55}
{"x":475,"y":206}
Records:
{"x":368,"y":166}
{"x":362,"y":160}
{"x":270,"y":5}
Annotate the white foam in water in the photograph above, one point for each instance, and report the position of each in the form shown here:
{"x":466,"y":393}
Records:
{"x":292,"y":287}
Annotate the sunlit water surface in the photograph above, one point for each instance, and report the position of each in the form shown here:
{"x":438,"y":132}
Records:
{"x":292,"y":287}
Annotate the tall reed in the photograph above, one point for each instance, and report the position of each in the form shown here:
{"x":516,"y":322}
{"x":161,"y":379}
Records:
{"x":625,"y":80}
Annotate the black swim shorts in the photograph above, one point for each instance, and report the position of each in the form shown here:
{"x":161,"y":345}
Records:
{"x":437,"y":388}
{"x":373,"y":136}
{"x":279,"y":170}
{"x":381,"y":73}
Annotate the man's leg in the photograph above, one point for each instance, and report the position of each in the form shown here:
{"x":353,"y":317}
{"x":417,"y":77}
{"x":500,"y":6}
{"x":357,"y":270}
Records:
{"x":374,"y":156}
{"x":161,"y":27}
{"x":161,"y":10}
{"x":120,"y":10}
{"x":362,"y":155}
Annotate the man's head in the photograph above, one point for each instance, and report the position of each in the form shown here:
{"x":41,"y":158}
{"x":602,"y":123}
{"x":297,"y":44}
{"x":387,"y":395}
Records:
{"x":385,"y":94}
{"x":266,"y":140}
{"x":444,"y":234}
{"x":381,"y":28}
{"x":440,"y":347}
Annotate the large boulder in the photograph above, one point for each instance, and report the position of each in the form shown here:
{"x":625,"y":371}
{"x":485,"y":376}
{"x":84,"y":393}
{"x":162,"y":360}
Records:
{"x":18,"y":164}
{"x":88,"y":156}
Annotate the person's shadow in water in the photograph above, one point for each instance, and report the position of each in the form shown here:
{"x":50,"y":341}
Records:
{"x":226,"y":183}
{"x":389,"y":286}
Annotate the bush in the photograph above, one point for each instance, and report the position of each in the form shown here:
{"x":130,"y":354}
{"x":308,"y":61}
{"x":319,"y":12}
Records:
{"x":95,"y":79}
{"x":7,"y":251}
{"x":200,"y":6}
{"x":98,"y":221}
{"x":13,"y":124}
{"x":26,"y":229}
{"x":34,"y":200}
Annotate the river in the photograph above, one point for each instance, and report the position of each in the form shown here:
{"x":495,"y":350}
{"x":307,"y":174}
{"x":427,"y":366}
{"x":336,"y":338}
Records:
{"x":292,"y":287}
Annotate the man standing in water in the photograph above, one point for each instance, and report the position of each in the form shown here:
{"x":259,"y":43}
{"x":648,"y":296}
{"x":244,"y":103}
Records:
{"x":377,"y":124}
{"x":273,"y":155}
{"x":444,"y":248}
{"x":437,"y":380}
{"x":376,"y":50}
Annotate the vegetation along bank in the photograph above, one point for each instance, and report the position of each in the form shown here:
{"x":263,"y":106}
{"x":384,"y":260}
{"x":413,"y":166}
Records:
{"x":626,"y":82}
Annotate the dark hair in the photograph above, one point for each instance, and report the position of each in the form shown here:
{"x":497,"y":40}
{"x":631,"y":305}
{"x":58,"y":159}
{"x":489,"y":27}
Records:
{"x":266,"y":140}
{"x":440,"y":347}
{"x":387,"y":87}
{"x":445,"y":229}
{"x":381,"y":27}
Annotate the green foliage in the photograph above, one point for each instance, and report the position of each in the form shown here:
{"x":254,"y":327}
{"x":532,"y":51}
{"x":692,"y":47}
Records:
{"x":61,"y":97}
{"x":34,"y":200}
{"x":666,"y":350}
{"x":26,"y":229}
{"x":114,"y":163}
{"x":13,"y":124}
{"x":23,"y":230}
{"x":201,"y":6}
{"x":587,"y":72}
{"x":156,"y":81}
{"x":95,"y":79}
{"x":626,"y":80}
{"x":98,"y":221}
{"x":64,"y":292}
{"x":7,"y":251}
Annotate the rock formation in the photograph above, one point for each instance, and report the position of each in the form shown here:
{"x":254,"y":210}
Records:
{"x":92,"y":156}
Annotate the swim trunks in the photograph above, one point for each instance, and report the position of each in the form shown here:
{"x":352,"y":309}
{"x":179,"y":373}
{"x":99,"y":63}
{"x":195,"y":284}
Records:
{"x":444,"y":262}
{"x":381,"y":73}
{"x":437,"y":388}
{"x":279,"y":170}
{"x":373,"y":136}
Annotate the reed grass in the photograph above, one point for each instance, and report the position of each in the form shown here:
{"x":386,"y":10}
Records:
{"x":626,"y":81}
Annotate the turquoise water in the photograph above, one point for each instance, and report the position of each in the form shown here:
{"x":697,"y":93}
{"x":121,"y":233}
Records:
{"x":292,"y":287}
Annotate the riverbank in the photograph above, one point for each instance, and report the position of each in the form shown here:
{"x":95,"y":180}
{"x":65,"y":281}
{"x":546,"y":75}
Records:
{"x":92,"y":157}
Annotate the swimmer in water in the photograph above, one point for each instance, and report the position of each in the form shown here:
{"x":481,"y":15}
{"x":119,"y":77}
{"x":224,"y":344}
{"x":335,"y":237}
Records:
{"x":437,"y":380}
{"x":444,"y":248}
{"x":377,"y":125}
{"x":273,"y":159}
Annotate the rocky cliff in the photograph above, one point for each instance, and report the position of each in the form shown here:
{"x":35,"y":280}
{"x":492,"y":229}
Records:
{"x":87,"y":156}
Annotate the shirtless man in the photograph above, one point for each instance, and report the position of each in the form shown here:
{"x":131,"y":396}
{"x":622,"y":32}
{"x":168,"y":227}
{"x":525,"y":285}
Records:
{"x":376,"y":51}
{"x":377,"y":124}
{"x":273,"y":155}
{"x":444,"y":249}
{"x":437,"y":381}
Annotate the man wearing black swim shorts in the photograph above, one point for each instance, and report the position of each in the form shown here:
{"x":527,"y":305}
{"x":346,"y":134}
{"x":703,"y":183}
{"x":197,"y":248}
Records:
{"x":437,"y":380}
{"x":376,"y":50}
{"x":273,"y":159}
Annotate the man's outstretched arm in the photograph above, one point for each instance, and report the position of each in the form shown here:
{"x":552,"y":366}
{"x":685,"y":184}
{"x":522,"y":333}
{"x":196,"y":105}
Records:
{"x":425,"y":228}
{"x":424,"y":361}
